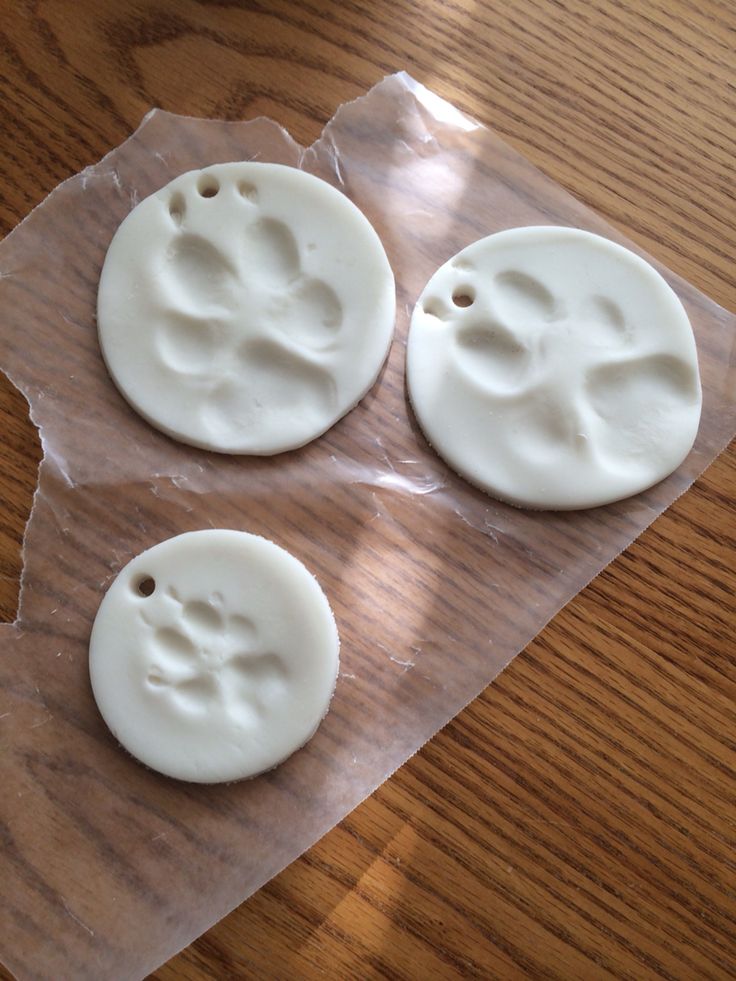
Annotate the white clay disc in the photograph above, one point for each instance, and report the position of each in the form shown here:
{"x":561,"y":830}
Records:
{"x":554,"y":369}
{"x":245,"y":308}
{"x":226,"y":668}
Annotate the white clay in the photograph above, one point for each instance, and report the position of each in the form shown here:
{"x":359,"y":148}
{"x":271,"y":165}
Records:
{"x":226,"y":668}
{"x":554,"y":369}
{"x":245,"y":308}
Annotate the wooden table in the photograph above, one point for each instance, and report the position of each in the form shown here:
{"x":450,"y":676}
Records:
{"x":577,"y":819}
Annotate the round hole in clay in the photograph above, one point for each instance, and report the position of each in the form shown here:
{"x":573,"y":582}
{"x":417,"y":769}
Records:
{"x":145,"y":586}
{"x":464,"y":296}
{"x":208,"y":186}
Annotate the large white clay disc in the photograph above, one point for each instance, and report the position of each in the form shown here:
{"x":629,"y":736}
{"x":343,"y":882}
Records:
{"x":554,"y":369}
{"x":214,"y":656}
{"x":245,"y":308}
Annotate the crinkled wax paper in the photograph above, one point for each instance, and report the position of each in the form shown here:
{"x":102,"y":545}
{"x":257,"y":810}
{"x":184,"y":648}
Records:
{"x":107,"y":868}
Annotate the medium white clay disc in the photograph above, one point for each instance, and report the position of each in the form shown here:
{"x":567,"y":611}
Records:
{"x":214,"y":656}
{"x":245,"y":308}
{"x":554,"y":369}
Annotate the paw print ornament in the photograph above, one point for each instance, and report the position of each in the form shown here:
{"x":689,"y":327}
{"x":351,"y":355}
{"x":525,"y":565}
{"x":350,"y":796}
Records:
{"x":214,"y":656}
{"x":554,"y":369}
{"x":245,"y":308}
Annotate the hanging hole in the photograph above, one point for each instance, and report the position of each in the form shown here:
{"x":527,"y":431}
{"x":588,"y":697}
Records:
{"x":464,"y":296}
{"x":145,"y":586}
{"x":248,"y":191}
{"x":208,"y":186}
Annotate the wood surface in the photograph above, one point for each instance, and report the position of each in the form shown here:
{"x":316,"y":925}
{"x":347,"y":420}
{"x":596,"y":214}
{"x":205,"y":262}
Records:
{"x":576,"y":820}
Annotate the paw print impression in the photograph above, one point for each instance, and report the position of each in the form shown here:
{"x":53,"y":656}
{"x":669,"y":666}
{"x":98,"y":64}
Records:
{"x":554,"y":368}
{"x":240,"y":318}
{"x":205,"y":661}
{"x":536,"y":353}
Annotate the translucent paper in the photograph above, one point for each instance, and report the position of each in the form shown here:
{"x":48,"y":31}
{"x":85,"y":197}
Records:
{"x":108,"y":869}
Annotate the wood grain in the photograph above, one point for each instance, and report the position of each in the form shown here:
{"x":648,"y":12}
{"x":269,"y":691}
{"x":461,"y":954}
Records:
{"x":577,"y":819}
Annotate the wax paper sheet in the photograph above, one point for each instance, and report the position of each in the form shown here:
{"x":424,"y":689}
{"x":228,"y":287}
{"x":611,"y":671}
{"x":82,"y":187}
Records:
{"x":107,"y":868}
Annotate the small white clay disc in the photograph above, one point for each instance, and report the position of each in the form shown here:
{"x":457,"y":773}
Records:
{"x":554,"y":369}
{"x":245,"y":308}
{"x":214,"y":656}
